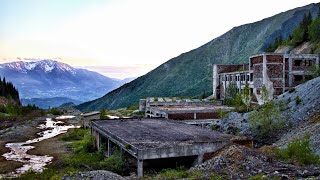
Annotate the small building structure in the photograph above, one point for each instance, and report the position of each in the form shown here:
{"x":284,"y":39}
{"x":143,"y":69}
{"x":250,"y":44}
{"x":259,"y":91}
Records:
{"x":187,"y":112}
{"x":151,"y":139}
{"x":181,"y":109}
{"x":88,"y":117}
{"x":277,"y":72}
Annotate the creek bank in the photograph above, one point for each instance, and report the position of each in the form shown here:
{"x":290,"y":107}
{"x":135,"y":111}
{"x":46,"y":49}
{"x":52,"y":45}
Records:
{"x":23,"y":133}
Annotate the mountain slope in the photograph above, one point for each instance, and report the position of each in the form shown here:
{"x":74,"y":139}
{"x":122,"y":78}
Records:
{"x":190,"y":74}
{"x":49,"y":79}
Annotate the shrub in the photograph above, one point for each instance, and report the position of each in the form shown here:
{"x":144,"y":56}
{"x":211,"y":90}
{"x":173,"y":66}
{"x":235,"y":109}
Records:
{"x":132,"y":108}
{"x":181,"y":172}
{"x":115,"y":163}
{"x":298,"y":100}
{"x":220,"y":113}
{"x":266,"y":121}
{"x":258,"y":177}
{"x":291,"y":90}
{"x":213,"y":127}
{"x":104,"y":114}
{"x":299,"y":151}
{"x":216,"y":177}
{"x":155,"y":99}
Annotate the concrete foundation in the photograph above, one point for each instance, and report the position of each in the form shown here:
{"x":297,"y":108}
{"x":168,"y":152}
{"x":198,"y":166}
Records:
{"x":149,"y":139}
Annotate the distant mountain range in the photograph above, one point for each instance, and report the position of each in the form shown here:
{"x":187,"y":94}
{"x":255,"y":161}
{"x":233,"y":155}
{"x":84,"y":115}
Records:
{"x":190,"y":74}
{"x":55,"y":82}
{"x":46,"y":103}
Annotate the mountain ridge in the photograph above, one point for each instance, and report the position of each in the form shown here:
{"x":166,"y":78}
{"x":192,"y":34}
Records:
{"x":189,"y":74}
{"x":50,"y":78}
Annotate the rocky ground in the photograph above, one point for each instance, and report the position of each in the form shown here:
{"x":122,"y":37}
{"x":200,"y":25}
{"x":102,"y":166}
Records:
{"x":240,"y":162}
{"x":94,"y":175}
{"x":303,"y":117}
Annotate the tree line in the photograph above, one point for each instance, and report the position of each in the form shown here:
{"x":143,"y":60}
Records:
{"x":8,"y":90}
{"x":307,"y":30}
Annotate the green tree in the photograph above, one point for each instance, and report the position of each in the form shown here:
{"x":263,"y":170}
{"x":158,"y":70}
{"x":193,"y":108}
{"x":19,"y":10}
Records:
{"x":314,"y":30}
{"x":246,"y":96}
{"x":307,"y":20}
{"x":273,"y":46}
{"x":266,"y":121}
{"x":297,"y":36}
{"x":103,"y":114}
{"x":231,"y":93}
{"x":264,"y":94}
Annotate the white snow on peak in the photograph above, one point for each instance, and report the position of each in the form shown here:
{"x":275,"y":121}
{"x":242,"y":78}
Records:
{"x":47,"y":65}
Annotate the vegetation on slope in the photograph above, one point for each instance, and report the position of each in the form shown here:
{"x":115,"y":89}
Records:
{"x":190,"y":74}
{"x":308,"y":30}
{"x":8,"y":91}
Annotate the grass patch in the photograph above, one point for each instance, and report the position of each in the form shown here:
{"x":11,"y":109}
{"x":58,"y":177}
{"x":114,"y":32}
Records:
{"x":181,"y":172}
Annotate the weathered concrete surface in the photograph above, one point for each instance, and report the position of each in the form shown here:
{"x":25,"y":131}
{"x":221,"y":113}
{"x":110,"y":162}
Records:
{"x":148,"y":139}
{"x":159,"y":133}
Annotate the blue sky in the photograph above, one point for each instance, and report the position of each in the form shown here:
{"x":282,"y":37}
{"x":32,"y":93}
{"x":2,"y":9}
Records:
{"x":137,"y":35}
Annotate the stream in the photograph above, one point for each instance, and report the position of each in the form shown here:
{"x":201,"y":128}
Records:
{"x":18,"y":150}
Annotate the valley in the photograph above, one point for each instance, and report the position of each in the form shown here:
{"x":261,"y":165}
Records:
{"x":245,"y":105}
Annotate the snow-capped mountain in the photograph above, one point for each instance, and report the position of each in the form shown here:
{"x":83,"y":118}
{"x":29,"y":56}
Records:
{"x":50,"y":78}
{"x":46,"y":66}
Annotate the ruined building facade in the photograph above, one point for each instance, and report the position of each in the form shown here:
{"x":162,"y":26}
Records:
{"x":277,"y":72}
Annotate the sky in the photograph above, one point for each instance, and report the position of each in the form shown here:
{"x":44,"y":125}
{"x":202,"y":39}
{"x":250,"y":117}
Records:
{"x":122,"y":38}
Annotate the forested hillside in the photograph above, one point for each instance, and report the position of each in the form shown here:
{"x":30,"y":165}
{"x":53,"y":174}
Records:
{"x":190,"y":74}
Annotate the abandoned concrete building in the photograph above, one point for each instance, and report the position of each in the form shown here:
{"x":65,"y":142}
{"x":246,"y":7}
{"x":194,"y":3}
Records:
{"x":277,"y":72}
{"x":181,"y":109}
{"x":151,"y":139}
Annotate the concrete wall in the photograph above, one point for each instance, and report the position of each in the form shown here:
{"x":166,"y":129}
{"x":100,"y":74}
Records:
{"x":86,"y":120}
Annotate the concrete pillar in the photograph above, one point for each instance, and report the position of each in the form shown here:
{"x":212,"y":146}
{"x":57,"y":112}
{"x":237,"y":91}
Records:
{"x":194,"y":115}
{"x":284,"y":74}
{"x":140,"y":167}
{"x":290,"y":61}
{"x":98,"y":140}
{"x":215,"y":80}
{"x":264,"y":70}
{"x":109,"y":148}
{"x":198,"y":160}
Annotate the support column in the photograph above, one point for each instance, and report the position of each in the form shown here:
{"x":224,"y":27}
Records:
{"x":194,"y":115}
{"x":198,"y":160}
{"x":109,"y":148}
{"x":290,"y":62}
{"x":140,"y":167}
{"x":98,"y":140}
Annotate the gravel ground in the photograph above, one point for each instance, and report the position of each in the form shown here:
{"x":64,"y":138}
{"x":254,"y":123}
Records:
{"x":240,"y":162}
{"x":94,"y":175}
